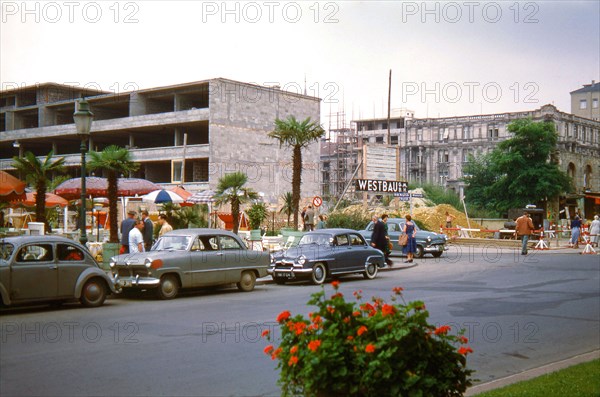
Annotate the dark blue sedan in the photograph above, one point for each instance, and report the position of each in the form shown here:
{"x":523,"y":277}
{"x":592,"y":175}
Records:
{"x":325,"y":253}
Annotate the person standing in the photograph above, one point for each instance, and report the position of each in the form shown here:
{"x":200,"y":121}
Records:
{"x":523,"y":229}
{"x":164,"y":225}
{"x":321,"y":224}
{"x":411,"y":243}
{"x":303,"y":216}
{"x":595,"y":231}
{"x":148,"y":230}
{"x":310,"y":219}
{"x":126,"y":227}
{"x":380,"y":238}
{"x":449,"y":219}
{"x":136,"y":239}
{"x":575,"y":231}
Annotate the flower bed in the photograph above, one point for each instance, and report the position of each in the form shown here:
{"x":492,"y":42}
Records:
{"x":368,"y":349}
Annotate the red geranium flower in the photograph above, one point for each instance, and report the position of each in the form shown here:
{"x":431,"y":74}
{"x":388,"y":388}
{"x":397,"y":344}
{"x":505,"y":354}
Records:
{"x":293,"y":361}
{"x":294,"y":349}
{"x":284,"y":315}
{"x":398,"y":290}
{"x":370,"y":348}
{"x":443,"y":330}
{"x":276,"y":353}
{"x":265,"y":333}
{"x":361,"y":330}
{"x":268,"y":349}
{"x":335,"y":284}
{"x":463,"y":339}
{"x":465,"y":350}
{"x":314,"y":345}
{"x":388,"y":309}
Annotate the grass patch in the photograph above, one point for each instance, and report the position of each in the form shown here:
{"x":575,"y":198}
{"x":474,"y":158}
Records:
{"x":582,"y":380}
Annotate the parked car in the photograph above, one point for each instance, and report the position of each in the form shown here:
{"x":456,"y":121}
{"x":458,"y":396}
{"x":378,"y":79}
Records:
{"x":324,"y":253}
{"x":50,"y":269}
{"x":427,"y":242}
{"x":191,"y":258}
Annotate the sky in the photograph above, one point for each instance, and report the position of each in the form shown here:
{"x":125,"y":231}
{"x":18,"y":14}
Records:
{"x":446,"y":58}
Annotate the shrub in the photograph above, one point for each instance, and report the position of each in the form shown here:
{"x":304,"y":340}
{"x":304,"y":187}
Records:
{"x":354,"y":221}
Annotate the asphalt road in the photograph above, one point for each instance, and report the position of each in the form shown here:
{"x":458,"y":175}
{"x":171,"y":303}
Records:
{"x":519,"y":313}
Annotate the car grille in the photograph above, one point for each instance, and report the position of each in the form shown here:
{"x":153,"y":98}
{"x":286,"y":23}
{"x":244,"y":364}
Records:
{"x":132,"y":272}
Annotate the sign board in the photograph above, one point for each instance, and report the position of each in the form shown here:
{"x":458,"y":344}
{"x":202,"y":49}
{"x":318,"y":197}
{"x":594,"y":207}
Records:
{"x":379,"y":186}
{"x":404,"y":198}
{"x":381,"y":162}
{"x":317,"y":201}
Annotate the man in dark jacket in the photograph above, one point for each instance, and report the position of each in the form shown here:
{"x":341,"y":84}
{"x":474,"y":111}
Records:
{"x":126,"y":227}
{"x":380,"y":238}
{"x":148,"y":232}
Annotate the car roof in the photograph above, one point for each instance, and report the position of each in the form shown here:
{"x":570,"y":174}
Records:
{"x":37,"y":239}
{"x":199,"y":232}
{"x":332,"y":231}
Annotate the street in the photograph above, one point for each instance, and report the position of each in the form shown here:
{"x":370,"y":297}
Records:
{"x":519,"y":312}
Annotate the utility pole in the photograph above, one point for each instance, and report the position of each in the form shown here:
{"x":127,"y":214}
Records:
{"x":389,"y":135}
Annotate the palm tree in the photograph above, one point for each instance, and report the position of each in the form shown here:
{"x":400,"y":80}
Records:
{"x":288,"y":206}
{"x":296,"y":135}
{"x":114,"y":160}
{"x":38,"y":174}
{"x":230,"y":189}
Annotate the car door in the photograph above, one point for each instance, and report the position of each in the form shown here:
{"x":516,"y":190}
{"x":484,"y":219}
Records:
{"x":233,"y":259}
{"x":344,"y":260}
{"x":206,"y":261}
{"x":34,"y":273}
{"x":71,"y":263}
{"x":394,"y":232}
{"x":359,"y":252}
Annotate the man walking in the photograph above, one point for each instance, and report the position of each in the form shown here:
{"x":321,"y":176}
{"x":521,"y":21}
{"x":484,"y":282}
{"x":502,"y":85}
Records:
{"x":136,"y":240}
{"x":126,"y":227}
{"x":148,"y":230}
{"x":309,"y":219}
{"x":523,"y":229}
{"x":380,"y":238}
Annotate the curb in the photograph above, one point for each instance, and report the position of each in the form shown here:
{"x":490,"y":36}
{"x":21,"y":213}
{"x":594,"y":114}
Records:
{"x":533,"y":373}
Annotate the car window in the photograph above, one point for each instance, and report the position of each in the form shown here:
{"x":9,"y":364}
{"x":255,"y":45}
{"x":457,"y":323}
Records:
{"x":342,"y":240}
{"x":68,"y":252}
{"x":6,"y":251}
{"x":370,"y":226}
{"x":229,"y":243}
{"x":35,"y":253}
{"x":198,"y":245}
{"x":392,"y":227}
{"x":315,"y":238}
{"x":356,"y":239}
{"x":172,"y":243}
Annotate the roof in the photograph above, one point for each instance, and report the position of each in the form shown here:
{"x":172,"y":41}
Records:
{"x":587,"y":88}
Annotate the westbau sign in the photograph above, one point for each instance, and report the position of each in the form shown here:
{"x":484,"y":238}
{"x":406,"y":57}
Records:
{"x":379,"y":186}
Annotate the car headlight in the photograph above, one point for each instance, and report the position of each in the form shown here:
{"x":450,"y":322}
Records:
{"x":428,"y":239}
{"x":301,"y":260}
{"x":154,"y":264}
{"x":112,"y":264}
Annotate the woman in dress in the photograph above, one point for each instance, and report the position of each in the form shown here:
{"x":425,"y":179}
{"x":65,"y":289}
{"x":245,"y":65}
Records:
{"x":575,"y":231}
{"x":595,"y":231}
{"x":411,"y":244}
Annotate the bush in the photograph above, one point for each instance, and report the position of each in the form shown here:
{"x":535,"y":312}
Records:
{"x":368,"y":349}
{"x":348,"y":221}
{"x":256,"y":214}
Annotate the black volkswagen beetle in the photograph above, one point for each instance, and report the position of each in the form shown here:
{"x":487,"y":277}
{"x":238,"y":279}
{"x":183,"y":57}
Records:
{"x":324,"y":253}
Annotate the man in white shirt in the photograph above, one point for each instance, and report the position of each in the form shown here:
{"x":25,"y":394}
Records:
{"x":136,"y":239}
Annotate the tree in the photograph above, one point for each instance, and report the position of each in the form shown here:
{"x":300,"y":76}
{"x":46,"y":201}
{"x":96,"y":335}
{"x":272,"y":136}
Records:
{"x":288,"y":206}
{"x":296,"y":135}
{"x":38,"y":174}
{"x":230,"y":189}
{"x":113,"y":160}
{"x":519,"y":171}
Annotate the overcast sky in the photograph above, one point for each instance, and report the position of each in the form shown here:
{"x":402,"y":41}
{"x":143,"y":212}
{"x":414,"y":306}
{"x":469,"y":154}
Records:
{"x":447,"y":58}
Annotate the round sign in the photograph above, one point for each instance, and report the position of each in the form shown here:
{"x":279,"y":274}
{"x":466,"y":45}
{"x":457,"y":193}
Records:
{"x":317,"y":201}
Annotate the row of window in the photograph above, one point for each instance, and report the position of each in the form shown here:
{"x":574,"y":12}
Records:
{"x":583,"y":103}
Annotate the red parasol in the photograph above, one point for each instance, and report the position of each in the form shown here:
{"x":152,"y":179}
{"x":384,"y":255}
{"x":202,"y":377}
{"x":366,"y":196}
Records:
{"x":98,"y":187}
{"x":52,"y":200}
{"x":133,"y":186}
{"x":11,"y":188}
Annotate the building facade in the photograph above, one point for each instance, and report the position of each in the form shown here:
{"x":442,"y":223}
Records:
{"x":189,"y":134}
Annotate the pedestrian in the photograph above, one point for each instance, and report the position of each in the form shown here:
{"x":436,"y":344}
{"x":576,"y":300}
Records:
{"x":380,"y":238}
{"x":126,"y":227}
{"x":449,"y":219}
{"x":164,"y":225}
{"x":595,"y":231}
{"x":411,"y":243}
{"x":136,"y":239}
{"x":309,"y":219}
{"x":321,"y":224}
{"x":575,"y":231}
{"x":148,"y":230}
{"x":523,"y":229}
{"x":303,"y":217}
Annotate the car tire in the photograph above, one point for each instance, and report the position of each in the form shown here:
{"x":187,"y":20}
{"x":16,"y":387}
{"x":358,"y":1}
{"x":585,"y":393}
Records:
{"x":419,"y":252}
{"x":168,"y":287}
{"x":93,"y":293}
{"x":371,"y":271}
{"x":437,"y":254}
{"x":319,"y":274}
{"x":247,"y":281}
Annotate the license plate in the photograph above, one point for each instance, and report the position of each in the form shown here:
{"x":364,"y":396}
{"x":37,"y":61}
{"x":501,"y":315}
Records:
{"x":286,"y":274}
{"x":125,"y":283}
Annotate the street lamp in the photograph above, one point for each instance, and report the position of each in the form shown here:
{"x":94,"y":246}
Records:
{"x":83,"y":122}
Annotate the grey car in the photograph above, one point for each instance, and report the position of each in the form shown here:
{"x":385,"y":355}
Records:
{"x":188,"y":258}
{"x":50,"y":269}
{"x":324,"y":253}
{"x":427,"y":242}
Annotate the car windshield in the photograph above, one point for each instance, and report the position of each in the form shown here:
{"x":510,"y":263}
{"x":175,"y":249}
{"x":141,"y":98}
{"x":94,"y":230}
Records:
{"x":172,"y":243}
{"x":320,"y":239}
{"x":6,"y":251}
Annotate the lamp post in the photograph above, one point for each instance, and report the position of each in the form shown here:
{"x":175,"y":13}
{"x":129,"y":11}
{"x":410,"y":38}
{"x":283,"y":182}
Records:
{"x":83,"y":122}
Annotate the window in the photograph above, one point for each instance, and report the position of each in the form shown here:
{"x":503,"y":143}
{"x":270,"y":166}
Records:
{"x":583,"y":104}
{"x":492,"y":133}
{"x":379,"y":139}
{"x":342,"y":240}
{"x":467,"y":133}
{"x":394,"y":139}
{"x":440,"y":134}
{"x":176,"y":169}
{"x":66,"y":252}
{"x":229,"y":243}
{"x":356,"y":239}
{"x":35,"y":253}
{"x":595,"y":103}
{"x":420,"y":134}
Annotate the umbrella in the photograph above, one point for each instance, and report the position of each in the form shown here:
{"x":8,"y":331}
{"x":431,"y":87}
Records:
{"x":182,"y":192}
{"x":98,"y":187}
{"x":204,"y":197}
{"x":52,"y":200}
{"x":162,"y":196}
{"x":11,"y":188}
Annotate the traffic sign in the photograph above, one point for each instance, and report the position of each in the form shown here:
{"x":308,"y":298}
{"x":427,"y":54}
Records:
{"x":404,"y":198}
{"x":417,"y":195}
{"x":317,"y":201}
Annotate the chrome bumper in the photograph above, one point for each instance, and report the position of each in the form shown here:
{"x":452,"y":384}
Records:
{"x":137,"y":281}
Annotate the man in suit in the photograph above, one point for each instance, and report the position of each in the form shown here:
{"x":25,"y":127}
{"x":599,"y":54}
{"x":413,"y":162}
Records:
{"x":380,"y":238}
{"x":148,"y":230}
{"x":126,"y":227}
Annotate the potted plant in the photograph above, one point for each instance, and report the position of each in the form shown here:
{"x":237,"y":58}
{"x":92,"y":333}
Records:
{"x":368,"y":349}
{"x":256,"y":214}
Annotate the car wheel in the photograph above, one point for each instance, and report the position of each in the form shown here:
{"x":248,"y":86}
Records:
{"x":419,"y":252}
{"x":436,"y":254}
{"x":279,"y":280}
{"x":247,"y":282}
{"x":370,"y":271}
{"x":168,"y":287}
{"x":93,"y":293}
{"x":319,"y":274}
